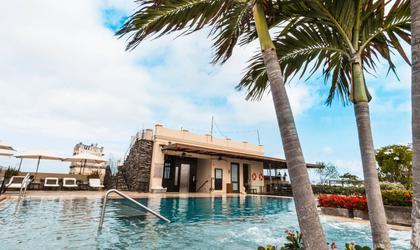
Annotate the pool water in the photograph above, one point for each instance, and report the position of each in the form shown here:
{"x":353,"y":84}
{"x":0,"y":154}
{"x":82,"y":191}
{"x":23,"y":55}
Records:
{"x":197,"y":223}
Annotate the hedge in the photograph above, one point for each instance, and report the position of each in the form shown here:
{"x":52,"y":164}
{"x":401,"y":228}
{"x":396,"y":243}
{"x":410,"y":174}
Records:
{"x":398,"y":197}
{"x":342,"y":201}
{"x":339,"y":190}
{"x":403,"y":198}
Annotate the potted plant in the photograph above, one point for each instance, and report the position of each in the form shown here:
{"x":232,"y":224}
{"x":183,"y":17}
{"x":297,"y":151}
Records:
{"x":94,"y":175}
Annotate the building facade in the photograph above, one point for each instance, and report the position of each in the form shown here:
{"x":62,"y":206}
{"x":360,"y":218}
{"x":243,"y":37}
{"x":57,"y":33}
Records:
{"x":180,"y":161}
{"x":88,"y":168}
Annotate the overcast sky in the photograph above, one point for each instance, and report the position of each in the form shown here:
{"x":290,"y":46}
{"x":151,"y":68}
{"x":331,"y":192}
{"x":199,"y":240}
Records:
{"x":65,"y":78}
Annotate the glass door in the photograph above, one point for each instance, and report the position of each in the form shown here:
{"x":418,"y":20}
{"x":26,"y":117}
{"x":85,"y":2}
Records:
{"x":218,"y":179}
{"x":234,"y":175}
{"x":184,"y":184}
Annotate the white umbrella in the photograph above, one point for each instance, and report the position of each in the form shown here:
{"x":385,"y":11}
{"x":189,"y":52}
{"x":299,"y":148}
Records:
{"x":4,"y":152}
{"x":6,"y":146}
{"x":84,"y":158}
{"x":38,"y":154}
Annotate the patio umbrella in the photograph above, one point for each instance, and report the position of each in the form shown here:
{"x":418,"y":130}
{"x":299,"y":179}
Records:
{"x":4,"y":152}
{"x":84,"y":158}
{"x":38,"y":154}
{"x":6,"y":146}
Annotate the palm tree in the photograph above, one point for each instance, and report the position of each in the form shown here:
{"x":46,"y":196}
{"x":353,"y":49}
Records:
{"x":415,"y":88}
{"x":231,"y":21}
{"x":345,"y":38}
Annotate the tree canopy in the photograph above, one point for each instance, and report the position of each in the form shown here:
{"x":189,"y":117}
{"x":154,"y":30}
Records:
{"x":324,"y":36}
{"x":326,"y":171}
{"x":395,"y":164}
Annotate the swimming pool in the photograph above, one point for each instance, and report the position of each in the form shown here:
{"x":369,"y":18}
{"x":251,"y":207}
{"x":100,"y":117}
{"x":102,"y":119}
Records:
{"x":197,"y":223}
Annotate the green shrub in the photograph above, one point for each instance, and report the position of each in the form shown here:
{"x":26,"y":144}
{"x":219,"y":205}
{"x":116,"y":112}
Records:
{"x":386,"y":185}
{"x":94,"y":175}
{"x":398,"y":197}
{"x":11,"y":172}
{"x":390,"y":197}
{"x":339,"y":190}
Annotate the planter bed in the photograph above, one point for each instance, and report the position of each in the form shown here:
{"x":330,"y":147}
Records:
{"x":395,"y":215}
{"x":361,"y":214}
{"x":334,"y":211}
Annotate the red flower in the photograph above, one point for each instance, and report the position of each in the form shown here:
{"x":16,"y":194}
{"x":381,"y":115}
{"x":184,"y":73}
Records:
{"x":407,"y":194}
{"x":340,"y":201}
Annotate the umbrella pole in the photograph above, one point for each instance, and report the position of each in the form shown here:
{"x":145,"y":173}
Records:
{"x":37,"y":166}
{"x":20,"y":164}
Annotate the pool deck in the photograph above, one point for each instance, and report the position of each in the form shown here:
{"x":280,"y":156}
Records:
{"x":100,"y":194}
{"x":136,"y":195}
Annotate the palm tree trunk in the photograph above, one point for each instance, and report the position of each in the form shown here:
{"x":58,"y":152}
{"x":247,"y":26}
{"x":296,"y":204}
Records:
{"x":305,"y":203}
{"x":415,"y":43}
{"x":377,"y":215}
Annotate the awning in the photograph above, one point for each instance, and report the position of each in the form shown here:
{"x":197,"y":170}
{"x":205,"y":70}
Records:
{"x":272,"y":162}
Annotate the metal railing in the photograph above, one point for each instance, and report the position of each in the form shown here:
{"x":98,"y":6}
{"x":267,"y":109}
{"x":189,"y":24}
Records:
{"x":25,"y":182}
{"x":101,"y":220}
{"x":202,"y":185}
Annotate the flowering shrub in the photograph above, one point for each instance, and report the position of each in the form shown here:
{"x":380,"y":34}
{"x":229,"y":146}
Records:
{"x":398,"y":197}
{"x":341,"y":201}
{"x":390,"y":197}
{"x":386,"y":185}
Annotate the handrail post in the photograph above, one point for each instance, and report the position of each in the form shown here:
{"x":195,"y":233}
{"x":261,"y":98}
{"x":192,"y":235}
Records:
{"x":101,"y":220}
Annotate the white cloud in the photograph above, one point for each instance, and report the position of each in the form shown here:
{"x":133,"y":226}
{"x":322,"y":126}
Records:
{"x":351,"y":166}
{"x":65,"y":78}
{"x":326,"y":151}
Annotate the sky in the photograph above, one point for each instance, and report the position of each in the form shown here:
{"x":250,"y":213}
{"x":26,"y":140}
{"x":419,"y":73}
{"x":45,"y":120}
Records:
{"x":66,"y":78}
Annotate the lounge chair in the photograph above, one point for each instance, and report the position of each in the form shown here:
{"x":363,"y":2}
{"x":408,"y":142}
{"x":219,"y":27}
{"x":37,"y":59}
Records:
{"x":95,"y":183}
{"x":51,"y":182}
{"x":17,"y":182}
{"x":69,"y":183}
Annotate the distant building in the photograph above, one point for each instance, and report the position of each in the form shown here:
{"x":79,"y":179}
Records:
{"x":180,"y":161}
{"x":88,"y":168}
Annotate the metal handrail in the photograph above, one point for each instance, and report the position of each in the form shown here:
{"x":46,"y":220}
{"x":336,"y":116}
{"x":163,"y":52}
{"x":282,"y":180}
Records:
{"x":24,"y":185}
{"x":101,"y":221}
{"x":202,"y":185}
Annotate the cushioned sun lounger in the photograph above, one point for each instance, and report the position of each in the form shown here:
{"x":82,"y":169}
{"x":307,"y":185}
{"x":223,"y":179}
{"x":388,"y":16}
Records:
{"x":51,"y":182}
{"x":95,"y":183}
{"x":69,"y":183}
{"x":17,"y":182}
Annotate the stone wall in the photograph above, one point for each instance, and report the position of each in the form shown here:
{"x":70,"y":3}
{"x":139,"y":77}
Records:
{"x":137,"y":166}
{"x":394,"y":215}
{"x":398,"y":215}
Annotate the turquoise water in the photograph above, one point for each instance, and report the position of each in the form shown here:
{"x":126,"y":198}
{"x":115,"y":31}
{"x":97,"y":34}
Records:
{"x":197,"y":223}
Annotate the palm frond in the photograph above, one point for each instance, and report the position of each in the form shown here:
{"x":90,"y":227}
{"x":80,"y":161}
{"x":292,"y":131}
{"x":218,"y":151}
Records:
{"x":319,"y":36}
{"x":303,"y":50}
{"x":382,"y":34}
{"x":227,"y":30}
{"x":157,"y":18}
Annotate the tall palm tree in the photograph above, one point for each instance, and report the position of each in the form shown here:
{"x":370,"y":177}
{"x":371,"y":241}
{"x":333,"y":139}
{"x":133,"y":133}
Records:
{"x":230,"y":21}
{"x":344,"y":38}
{"x":415,"y":88}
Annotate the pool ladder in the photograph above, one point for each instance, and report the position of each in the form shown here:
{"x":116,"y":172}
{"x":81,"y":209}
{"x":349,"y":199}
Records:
{"x":101,"y":221}
{"x":25,"y":182}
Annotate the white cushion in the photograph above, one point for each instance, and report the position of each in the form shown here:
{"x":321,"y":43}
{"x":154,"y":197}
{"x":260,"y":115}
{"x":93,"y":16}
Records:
{"x":95,"y":183}
{"x":69,"y":182}
{"x":51,"y":182}
{"x":16,"y":182}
